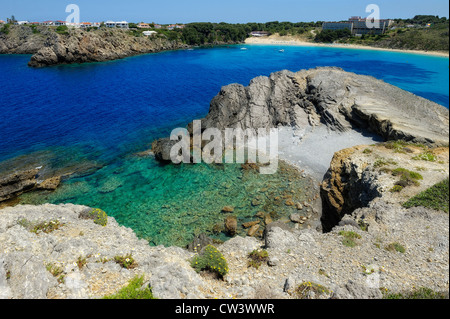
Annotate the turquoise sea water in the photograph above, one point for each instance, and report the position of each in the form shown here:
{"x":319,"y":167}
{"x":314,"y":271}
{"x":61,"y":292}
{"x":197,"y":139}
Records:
{"x":97,"y":115}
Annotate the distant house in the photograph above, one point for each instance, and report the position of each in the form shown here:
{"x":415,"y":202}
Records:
{"x":120,"y":24}
{"x":35,"y":23}
{"x":96,"y":24}
{"x":149,"y":33}
{"x":21,"y":22}
{"x":260,"y":34}
{"x":58,"y":23}
{"x":171,"y":27}
{"x":158,"y":26}
{"x":2,"y":22}
{"x":143,"y":25}
{"x":85,"y":25}
{"x":359,"y":26}
{"x":47,"y":23}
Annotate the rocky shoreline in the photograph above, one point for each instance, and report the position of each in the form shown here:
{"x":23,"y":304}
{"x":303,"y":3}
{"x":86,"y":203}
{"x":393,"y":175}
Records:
{"x":373,"y":244}
{"x":74,"y":46}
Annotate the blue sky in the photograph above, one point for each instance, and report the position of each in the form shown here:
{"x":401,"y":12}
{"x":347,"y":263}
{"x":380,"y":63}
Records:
{"x":233,"y":11}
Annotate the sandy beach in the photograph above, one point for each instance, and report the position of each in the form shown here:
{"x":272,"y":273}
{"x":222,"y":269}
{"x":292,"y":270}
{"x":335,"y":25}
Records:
{"x":294,"y":41}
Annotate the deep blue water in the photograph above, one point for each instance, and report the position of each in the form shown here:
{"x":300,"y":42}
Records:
{"x":117,"y":107}
{"x":84,"y":115}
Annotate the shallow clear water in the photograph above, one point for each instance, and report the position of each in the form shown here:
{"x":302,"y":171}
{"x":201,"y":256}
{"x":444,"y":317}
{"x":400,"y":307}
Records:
{"x":100,"y":113}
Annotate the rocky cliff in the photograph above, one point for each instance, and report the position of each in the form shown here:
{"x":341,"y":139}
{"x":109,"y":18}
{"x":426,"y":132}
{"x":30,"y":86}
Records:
{"x":54,"y":252}
{"x":394,"y":171}
{"x":23,"y":39}
{"x":339,"y":99}
{"x":327,"y":96}
{"x":79,"y":46}
{"x":97,"y":46}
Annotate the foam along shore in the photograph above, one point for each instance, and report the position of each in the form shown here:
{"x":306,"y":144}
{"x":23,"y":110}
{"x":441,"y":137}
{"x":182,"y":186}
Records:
{"x":293,"y":41}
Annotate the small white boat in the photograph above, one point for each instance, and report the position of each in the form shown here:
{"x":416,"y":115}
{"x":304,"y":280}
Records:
{"x":243,"y":48}
{"x":282,"y":50}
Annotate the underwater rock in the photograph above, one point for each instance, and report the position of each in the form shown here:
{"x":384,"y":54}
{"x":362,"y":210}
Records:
{"x":231,"y":225}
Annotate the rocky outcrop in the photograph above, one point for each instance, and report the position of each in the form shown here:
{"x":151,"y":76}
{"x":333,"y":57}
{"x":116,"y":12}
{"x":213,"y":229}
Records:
{"x":17,"y":183}
{"x":97,"y":46}
{"x":360,"y":174}
{"x":24,"y":39}
{"x":79,"y":46}
{"x":340,"y":100}
{"x":77,"y":259}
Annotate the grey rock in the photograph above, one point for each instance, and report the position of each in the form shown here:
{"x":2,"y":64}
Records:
{"x":5,"y":290}
{"x":174,"y":282}
{"x":353,"y":290}
{"x":17,"y":183}
{"x":279,"y":239}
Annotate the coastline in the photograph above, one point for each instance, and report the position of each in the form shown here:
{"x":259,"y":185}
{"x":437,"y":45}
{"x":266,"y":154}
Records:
{"x":292,"y":41}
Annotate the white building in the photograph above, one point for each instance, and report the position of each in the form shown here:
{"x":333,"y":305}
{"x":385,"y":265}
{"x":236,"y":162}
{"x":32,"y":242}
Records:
{"x":21,"y":22}
{"x":119,"y":24}
{"x":149,"y":33}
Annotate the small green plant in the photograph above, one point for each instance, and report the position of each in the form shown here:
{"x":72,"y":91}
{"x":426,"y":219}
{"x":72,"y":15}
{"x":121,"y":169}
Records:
{"x":396,"y":189}
{"x":395,"y":247}
{"x":420,"y":293}
{"x":212,"y":260}
{"x":257,"y":258}
{"x":56,"y":271}
{"x":81,"y":262}
{"x":310,"y":290}
{"x":380,"y":162}
{"x":126,"y":262}
{"x":425,"y":156}
{"x":407,"y":177}
{"x":367,"y":151}
{"x":436,"y":197}
{"x":323,"y":273}
{"x":363,"y":225}
{"x":133,"y":290}
{"x":42,"y":227}
{"x":349,"y":238}
{"x":99,"y":216}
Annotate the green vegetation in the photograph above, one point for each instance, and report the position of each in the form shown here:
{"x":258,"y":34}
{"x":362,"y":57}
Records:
{"x":330,"y":36}
{"x":425,"y":156}
{"x":96,"y":214}
{"x":380,"y":162}
{"x":212,"y":260}
{"x":56,"y":271}
{"x":42,"y":227}
{"x":62,"y":29}
{"x":435,"y":197}
{"x":367,"y":151}
{"x":133,"y":290}
{"x":349,"y":238}
{"x":395,"y":247}
{"x":407,"y":177}
{"x":126,"y":261}
{"x":396,"y":189}
{"x":421,"y":293}
{"x":81,"y":262}
{"x":310,"y":290}
{"x":257,"y":258}
{"x":5,"y":29}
